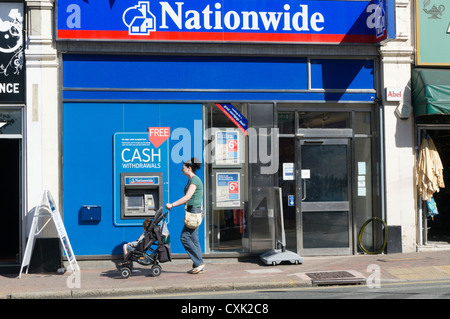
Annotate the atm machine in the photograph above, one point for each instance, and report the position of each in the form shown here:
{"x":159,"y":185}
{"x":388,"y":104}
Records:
{"x":141,"y":194}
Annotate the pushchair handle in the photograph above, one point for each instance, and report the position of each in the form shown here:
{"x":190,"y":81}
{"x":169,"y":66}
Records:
{"x":158,"y":216}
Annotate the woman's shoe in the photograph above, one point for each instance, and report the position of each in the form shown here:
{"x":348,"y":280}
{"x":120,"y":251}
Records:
{"x":197,"y":270}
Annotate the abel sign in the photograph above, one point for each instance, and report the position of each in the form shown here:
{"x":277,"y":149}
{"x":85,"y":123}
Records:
{"x":282,"y":21}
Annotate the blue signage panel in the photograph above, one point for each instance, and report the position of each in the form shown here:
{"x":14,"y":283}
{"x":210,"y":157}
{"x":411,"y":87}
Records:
{"x":134,"y":153}
{"x":215,"y":78}
{"x":287,"y":21}
{"x":142,"y":180}
{"x":234,"y":115}
{"x":291,"y":200}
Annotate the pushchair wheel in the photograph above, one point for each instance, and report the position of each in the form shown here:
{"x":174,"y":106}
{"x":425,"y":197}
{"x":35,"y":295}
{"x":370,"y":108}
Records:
{"x":125,"y":272}
{"x":155,"y":271}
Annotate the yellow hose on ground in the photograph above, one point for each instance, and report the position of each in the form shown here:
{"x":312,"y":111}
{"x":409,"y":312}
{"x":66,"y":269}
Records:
{"x":363,"y":227}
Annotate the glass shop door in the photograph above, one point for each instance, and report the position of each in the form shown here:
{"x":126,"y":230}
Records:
{"x":324,"y":187}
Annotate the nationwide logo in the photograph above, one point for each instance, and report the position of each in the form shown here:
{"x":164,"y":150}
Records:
{"x":139,"y":19}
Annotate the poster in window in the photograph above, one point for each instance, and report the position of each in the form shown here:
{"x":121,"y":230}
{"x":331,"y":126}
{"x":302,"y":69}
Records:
{"x":227,"y":148}
{"x":228,"y":190}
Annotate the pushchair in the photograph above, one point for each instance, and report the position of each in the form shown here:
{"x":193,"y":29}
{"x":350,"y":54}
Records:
{"x":152,"y":249}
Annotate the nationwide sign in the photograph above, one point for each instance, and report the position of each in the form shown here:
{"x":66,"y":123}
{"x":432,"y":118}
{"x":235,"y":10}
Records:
{"x":275,"y":21}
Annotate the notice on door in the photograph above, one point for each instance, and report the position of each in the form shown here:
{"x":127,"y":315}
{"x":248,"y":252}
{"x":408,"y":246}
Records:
{"x":288,"y":171}
{"x":306,"y":174}
{"x":362,"y":179}
{"x":228,"y":190}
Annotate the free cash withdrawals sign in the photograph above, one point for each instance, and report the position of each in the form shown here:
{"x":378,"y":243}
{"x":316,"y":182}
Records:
{"x":287,"y":21}
{"x":137,"y":153}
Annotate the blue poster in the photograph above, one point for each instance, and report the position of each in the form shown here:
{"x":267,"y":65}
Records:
{"x":227,"y":148}
{"x":228,"y":190}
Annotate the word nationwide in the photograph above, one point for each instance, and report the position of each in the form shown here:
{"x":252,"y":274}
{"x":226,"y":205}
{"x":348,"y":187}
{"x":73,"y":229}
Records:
{"x":245,"y":20}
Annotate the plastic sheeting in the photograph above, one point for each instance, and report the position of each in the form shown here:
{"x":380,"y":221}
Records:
{"x":430,"y":91}
{"x":430,"y":177}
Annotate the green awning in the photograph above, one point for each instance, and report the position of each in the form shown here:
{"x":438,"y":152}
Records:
{"x":430,"y":91}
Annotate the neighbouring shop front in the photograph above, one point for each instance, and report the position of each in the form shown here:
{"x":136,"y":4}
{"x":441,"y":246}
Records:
{"x":430,"y":87}
{"x":431,"y":96}
{"x":12,"y":141}
{"x":257,"y":116}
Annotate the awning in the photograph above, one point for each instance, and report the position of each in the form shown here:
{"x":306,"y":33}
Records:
{"x":430,"y":91}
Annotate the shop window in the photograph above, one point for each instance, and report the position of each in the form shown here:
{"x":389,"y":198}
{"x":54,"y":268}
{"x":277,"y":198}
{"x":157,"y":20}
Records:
{"x":324,"y":120}
{"x":226,"y":179}
{"x":11,"y":122}
{"x":11,"y":160}
{"x":362,"y":123}
{"x":363,"y":199}
{"x":286,"y":122}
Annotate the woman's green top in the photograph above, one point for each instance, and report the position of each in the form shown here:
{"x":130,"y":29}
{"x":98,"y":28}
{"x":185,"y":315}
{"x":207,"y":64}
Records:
{"x":196,"y":199}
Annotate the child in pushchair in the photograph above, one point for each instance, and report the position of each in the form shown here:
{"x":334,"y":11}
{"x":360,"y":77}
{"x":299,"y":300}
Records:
{"x":141,"y":251}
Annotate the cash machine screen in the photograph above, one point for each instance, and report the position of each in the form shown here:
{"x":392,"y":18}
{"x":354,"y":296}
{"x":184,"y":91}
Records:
{"x":135,"y":201}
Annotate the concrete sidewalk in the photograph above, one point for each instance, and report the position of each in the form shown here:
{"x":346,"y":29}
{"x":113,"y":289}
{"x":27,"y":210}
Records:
{"x":102,"y":279}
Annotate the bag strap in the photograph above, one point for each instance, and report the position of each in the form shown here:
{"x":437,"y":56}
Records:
{"x":157,"y":231}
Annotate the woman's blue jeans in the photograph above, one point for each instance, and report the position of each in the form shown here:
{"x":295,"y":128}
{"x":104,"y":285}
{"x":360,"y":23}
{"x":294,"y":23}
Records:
{"x":189,"y":239}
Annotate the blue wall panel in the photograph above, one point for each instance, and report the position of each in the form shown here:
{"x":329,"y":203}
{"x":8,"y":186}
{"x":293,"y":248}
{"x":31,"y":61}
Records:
{"x":213,"y":79}
{"x":220,"y":96}
{"x":88,"y":130}
{"x":342,"y":74}
{"x":183,"y":72}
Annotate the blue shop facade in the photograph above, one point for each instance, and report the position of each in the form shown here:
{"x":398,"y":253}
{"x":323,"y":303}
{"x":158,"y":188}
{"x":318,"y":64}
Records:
{"x":271,"y":97}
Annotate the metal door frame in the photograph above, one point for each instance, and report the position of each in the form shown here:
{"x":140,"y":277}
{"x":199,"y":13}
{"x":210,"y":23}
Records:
{"x":324,"y":137}
{"x":422,"y":221}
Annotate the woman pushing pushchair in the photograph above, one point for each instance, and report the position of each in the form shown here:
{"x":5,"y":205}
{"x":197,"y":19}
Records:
{"x":192,"y":199}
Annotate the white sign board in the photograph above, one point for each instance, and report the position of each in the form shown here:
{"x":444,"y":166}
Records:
{"x":47,"y":208}
{"x":288,"y":171}
{"x":394,"y":94}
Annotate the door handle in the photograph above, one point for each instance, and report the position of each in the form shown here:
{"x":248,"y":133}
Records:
{"x":313,"y":142}
{"x":304,"y":189}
